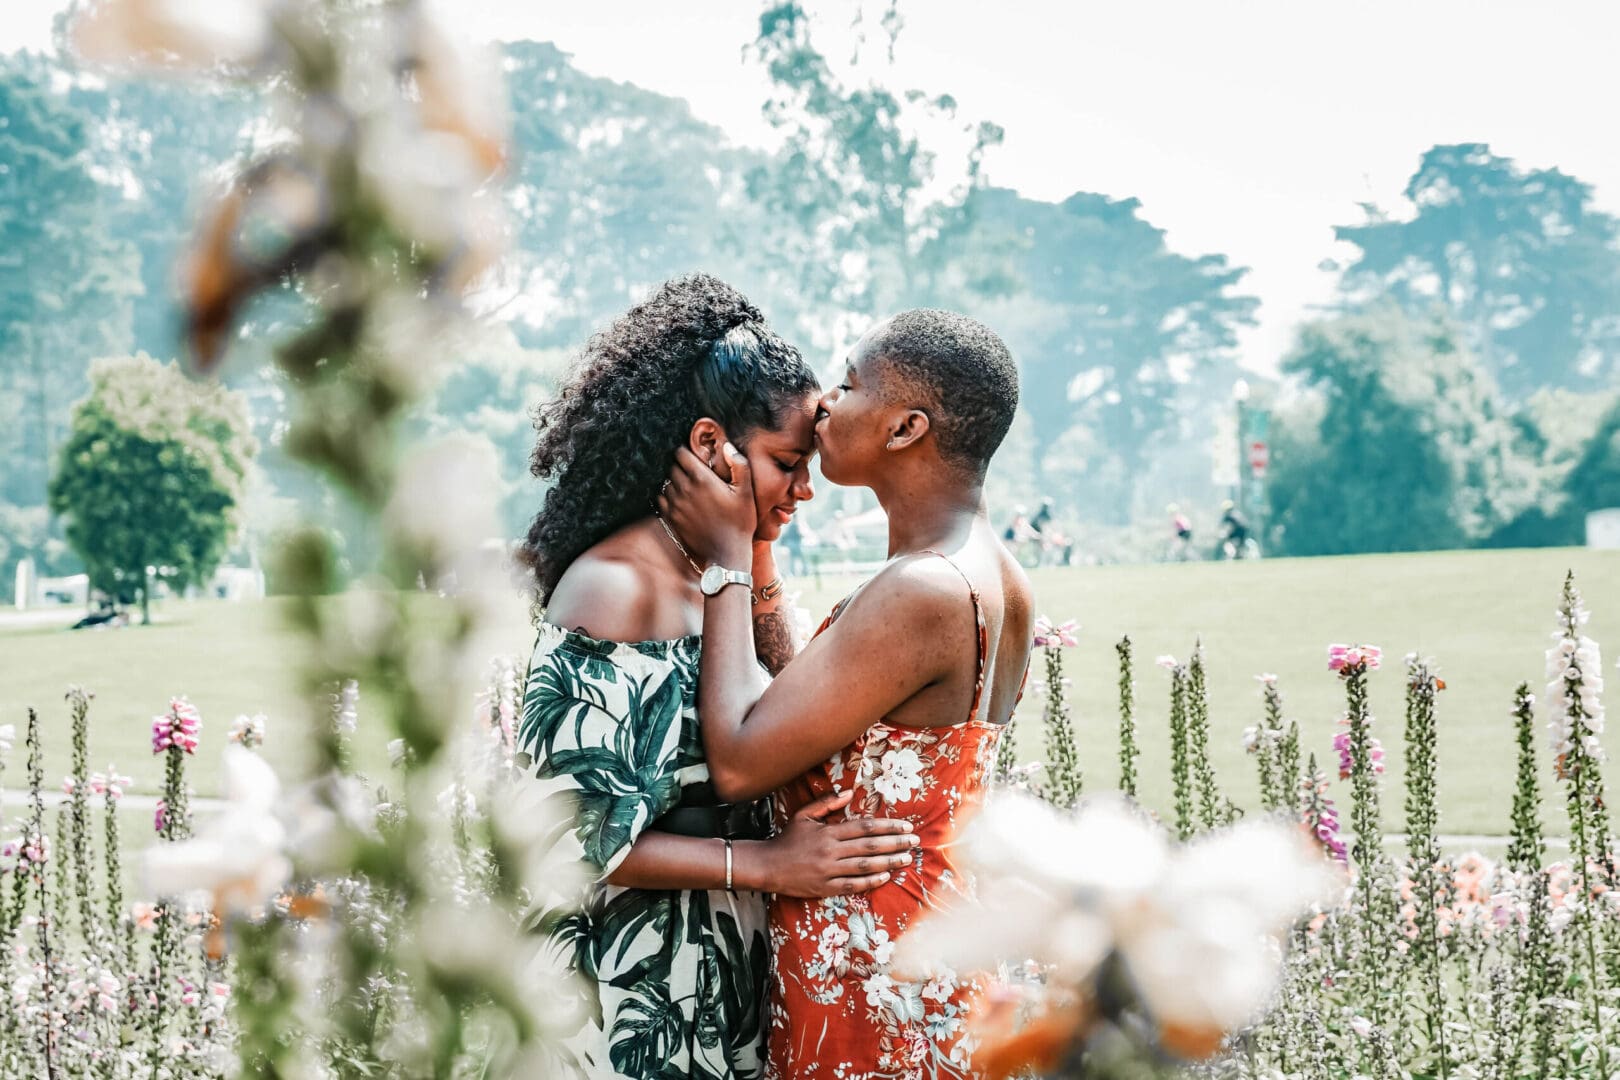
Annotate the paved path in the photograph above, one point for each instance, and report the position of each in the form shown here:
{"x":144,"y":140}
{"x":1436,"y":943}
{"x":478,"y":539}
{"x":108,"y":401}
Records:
{"x":36,"y":618}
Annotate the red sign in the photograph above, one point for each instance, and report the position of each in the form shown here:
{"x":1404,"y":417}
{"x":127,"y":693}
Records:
{"x":1259,"y":457}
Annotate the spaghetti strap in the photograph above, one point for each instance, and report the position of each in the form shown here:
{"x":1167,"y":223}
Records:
{"x":983,"y":631}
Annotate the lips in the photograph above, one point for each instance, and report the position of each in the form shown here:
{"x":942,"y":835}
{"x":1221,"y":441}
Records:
{"x":783,"y":514}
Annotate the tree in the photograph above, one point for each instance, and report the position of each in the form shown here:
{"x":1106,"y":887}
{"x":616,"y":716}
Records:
{"x":161,"y":144}
{"x":1110,"y":327}
{"x":151,"y":476}
{"x":613,"y":189}
{"x":1520,"y":259}
{"x":66,"y":285}
{"x":1594,"y":482}
{"x":1397,"y":448}
{"x":859,"y":218}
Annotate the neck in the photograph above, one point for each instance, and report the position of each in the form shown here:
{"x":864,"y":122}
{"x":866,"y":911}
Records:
{"x":925,"y":516}
{"x":653,"y":527}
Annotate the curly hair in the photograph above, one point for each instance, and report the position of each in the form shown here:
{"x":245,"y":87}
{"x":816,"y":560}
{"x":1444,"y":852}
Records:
{"x":695,"y":348}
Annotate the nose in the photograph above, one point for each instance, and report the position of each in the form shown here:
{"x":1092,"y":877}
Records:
{"x":828,"y":400}
{"x":803,"y":490}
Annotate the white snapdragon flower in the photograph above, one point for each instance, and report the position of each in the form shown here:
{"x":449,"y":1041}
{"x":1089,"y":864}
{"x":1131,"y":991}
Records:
{"x":238,"y":855}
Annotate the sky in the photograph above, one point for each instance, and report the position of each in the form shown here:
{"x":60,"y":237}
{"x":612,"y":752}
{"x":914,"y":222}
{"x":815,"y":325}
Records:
{"x":1245,"y":128}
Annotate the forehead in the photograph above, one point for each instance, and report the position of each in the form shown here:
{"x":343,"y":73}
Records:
{"x":797,"y":429}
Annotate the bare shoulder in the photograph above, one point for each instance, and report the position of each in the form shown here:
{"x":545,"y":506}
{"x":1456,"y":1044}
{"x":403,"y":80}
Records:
{"x":916,"y":594}
{"x":1015,"y":586}
{"x":608,"y":596}
{"x":1018,"y":598}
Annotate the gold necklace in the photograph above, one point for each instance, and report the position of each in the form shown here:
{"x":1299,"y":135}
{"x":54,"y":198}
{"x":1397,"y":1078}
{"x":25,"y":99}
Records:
{"x":669,"y":532}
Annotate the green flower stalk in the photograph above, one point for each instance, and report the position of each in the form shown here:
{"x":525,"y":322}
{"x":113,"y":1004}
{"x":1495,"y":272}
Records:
{"x":34,"y":856}
{"x":1180,"y":759}
{"x":1264,"y":741}
{"x":117,"y":918}
{"x":1062,"y":784}
{"x":1526,"y":853}
{"x":1318,"y":814}
{"x":1430,"y":883}
{"x":1006,"y":754}
{"x":79,"y":803}
{"x":61,"y":867}
{"x":1352,"y":665}
{"x":1288,"y":776}
{"x":1574,"y":680}
{"x":1212,"y":809}
{"x":1128,"y":750}
{"x":175,"y":735}
{"x":1526,"y":856}
{"x":1374,"y":888}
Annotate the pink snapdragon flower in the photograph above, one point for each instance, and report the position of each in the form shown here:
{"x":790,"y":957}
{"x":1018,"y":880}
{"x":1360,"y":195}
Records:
{"x":1058,"y":635}
{"x":1345,"y":658}
{"x":110,"y":783}
{"x":1341,"y":745}
{"x":1322,"y":821}
{"x":181,"y":726}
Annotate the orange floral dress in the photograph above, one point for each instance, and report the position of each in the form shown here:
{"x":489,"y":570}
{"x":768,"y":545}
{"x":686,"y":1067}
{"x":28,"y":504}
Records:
{"x":836,"y":1012}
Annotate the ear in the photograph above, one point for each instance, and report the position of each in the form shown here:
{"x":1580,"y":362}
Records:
{"x":706,"y":439}
{"x":907,"y":429}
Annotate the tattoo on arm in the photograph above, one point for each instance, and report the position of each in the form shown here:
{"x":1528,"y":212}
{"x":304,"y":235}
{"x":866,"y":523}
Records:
{"x":773,"y":640}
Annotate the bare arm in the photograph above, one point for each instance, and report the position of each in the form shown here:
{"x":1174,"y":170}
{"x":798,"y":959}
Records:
{"x":809,"y":859}
{"x":895,"y":641}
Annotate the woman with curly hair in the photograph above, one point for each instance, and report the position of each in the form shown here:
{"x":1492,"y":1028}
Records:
{"x":670,"y":940}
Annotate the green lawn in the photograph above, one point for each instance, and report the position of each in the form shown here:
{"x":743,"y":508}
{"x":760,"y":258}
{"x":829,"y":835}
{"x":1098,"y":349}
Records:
{"x":1484,"y":616}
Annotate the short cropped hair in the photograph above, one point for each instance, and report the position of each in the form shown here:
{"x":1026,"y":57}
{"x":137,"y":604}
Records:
{"x":963,"y":373}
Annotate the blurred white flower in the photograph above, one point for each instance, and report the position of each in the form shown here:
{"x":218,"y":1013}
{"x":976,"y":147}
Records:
{"x":446,"y":497}
{"x":239,"y":854}
{"x":455,"y":800}
{"x":460,"y":88}
{"x":177,"y":34}
{"x":1199,"y":928}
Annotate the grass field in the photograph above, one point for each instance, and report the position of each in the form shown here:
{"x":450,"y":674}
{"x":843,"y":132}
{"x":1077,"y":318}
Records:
{"x":1484,"y":617}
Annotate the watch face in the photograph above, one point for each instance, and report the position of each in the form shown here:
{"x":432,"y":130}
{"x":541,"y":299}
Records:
{"x":713,"y":580}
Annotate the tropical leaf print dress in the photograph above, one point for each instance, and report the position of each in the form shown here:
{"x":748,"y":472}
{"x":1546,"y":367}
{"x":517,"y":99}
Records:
{"x":675,"y":980}
{"x":837,"y":1011}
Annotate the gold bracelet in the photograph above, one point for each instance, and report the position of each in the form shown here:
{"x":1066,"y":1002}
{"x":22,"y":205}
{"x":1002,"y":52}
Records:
{"x":770,"y":591}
